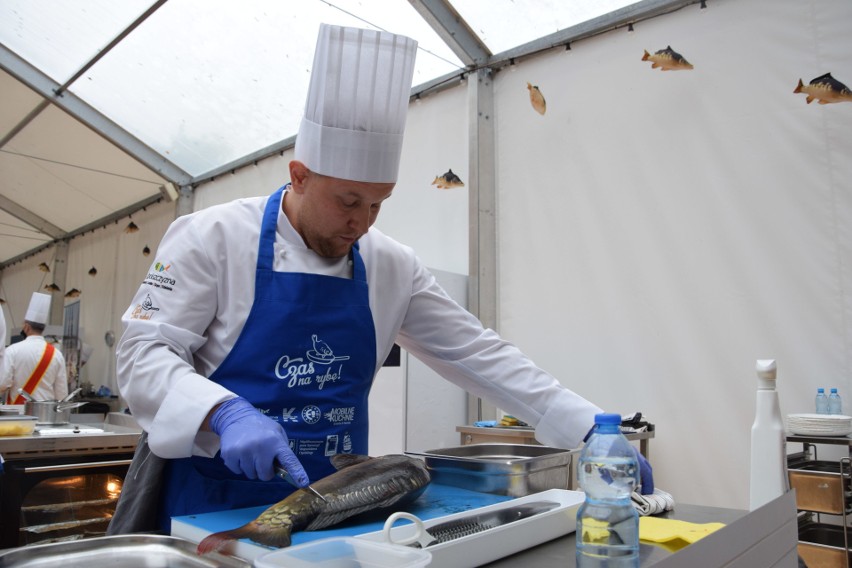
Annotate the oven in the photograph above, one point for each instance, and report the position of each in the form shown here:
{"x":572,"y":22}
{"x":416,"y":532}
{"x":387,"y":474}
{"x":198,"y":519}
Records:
{"x":62,"y":483}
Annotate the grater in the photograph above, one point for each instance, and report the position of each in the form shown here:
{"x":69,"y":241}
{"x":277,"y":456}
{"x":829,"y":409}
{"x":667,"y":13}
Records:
{"x":465,"y":526}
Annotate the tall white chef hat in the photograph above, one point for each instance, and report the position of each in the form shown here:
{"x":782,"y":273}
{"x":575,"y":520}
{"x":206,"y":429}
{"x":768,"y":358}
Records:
{"x":357,"y":102}
{"x":38,"y":309}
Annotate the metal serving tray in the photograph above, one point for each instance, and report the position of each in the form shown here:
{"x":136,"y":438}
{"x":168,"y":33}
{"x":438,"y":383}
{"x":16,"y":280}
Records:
{"x":126,"y":551}
{"x":820,"y":487}
{"x":822,"y":545}
{"x":516,"y":470}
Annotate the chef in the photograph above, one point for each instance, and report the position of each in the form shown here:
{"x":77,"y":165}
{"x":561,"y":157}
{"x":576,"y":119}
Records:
{"x":33,"y":364}
{"x":257,"y":332}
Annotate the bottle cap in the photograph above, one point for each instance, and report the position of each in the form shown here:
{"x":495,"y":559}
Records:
{"x":833,"y":391}
{"x":607,"y":418}
{"x":822,"y":390}
{"x":766,"y":370}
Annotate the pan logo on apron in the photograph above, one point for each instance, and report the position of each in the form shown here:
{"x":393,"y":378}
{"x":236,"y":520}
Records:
{"x":307,"y":370}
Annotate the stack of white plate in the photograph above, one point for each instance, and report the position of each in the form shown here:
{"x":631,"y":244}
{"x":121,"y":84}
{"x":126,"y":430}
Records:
{"x":819,"y":424}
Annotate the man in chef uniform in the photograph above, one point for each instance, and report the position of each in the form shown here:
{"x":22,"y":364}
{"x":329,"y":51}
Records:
{"x":262,"y":322}
{"x":33,"y":364}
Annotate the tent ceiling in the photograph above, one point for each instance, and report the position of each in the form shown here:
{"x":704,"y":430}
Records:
{"x":110,"y":105}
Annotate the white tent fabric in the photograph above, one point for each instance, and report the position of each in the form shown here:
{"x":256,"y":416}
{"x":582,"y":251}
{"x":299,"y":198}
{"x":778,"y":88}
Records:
{"x":661,"y":231}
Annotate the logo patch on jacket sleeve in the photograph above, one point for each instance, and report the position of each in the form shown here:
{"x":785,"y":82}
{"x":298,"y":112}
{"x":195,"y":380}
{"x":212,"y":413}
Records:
{"x":145,"y":310}
{"x":158,"y":276}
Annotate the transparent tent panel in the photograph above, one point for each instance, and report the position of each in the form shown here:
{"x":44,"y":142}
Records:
{"x":208,"y":82}
{"x":59,"y":37}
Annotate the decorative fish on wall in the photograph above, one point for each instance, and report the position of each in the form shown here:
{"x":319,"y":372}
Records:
{"x":537,"y":99}
{"x":448,"y":180}
{"x":360,"y":484}
{"x":93,"y":271}
{"x":667,"y":59}
{"x":825,"y":89}
{"x":52,"y":287}
{"x":44,"y":267}
{"x":146,"y":251}
{"x":131,"y":228}
{"x":73,"y":293}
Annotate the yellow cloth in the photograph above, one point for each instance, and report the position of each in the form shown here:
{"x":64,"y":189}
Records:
{"x":674,"y":534}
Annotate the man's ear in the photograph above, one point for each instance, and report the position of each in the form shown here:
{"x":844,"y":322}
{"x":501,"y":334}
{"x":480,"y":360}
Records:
{"x":298,"y":175}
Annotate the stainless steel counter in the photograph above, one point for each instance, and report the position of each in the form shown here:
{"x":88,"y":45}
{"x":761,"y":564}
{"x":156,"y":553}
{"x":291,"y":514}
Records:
{"x":113,"y":439}
{"x":561,"y":552}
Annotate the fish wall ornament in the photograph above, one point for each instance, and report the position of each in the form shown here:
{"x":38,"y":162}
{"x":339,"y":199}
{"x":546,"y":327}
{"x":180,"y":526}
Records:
{"x":825,"y":89}
{"x":131,"y":227}
{"x":668,"y":60}
{"x":360,"y":484}
{"x":73,"y":293}
{"x":52,"y":287}
{"x":448,"y":180}
{"x":93,"y":271}
{"x":537,"y":99}
{"x":146,"y":251}
{"x":44,"y":267}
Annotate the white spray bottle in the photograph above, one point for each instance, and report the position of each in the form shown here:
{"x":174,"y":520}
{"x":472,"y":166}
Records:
{"x":768,"y":442}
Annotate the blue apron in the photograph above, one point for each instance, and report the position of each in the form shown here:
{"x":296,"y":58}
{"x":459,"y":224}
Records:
{"x":306,"y":358}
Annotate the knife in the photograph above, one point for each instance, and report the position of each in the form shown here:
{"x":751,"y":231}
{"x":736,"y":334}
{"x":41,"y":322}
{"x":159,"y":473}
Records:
{"x":285,"y":475}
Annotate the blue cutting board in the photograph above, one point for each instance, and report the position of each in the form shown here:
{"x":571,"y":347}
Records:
{"x":437,"y":501}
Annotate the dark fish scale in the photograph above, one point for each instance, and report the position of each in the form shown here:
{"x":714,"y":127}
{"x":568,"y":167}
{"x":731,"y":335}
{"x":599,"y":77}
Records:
{"x":367,"y":498}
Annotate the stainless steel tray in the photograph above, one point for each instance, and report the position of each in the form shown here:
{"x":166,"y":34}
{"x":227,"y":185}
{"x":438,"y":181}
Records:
{"x":516,"y":470}
{"x":820,"y":486}
{"x":127,"y":551}
{"x":823,"y":545}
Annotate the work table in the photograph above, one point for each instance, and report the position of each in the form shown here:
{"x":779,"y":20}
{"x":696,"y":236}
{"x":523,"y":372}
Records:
{"x":765,"y":537}
{"x":561,"y":552}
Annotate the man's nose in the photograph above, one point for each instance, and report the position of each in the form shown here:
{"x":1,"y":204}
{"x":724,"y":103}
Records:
{"x":361,"y":219}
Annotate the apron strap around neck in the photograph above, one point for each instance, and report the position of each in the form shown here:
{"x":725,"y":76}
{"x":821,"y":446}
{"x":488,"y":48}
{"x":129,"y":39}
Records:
{"x":266,"y":245}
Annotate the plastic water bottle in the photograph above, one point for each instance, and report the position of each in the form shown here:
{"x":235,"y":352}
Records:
{"x":821,"y":401}
{"x":768,"y":473}
{"x":834,"y":403}
{"x":607,"y":523}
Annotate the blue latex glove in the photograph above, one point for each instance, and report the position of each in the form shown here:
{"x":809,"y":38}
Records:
{"x":646,"y":474}
{"x":251,"y":442}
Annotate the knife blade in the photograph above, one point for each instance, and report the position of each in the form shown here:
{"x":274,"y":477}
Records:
{"x":285,"y":475}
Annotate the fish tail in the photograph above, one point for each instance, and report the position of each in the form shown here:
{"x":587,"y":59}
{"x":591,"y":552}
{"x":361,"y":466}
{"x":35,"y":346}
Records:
{"x":799,"y":87}
{"x":217,"y":541}
{"x":646,"y":56}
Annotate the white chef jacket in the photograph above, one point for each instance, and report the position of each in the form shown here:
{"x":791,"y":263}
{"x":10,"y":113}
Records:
{"x":20,"y":361}
{"x":191,"y":307}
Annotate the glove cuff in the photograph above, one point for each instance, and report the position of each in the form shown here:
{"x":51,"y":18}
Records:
{"x":224,"y":415}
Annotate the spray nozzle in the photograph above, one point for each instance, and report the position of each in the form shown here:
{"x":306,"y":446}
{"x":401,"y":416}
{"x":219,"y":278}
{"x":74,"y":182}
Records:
{"x":766,"y":372}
